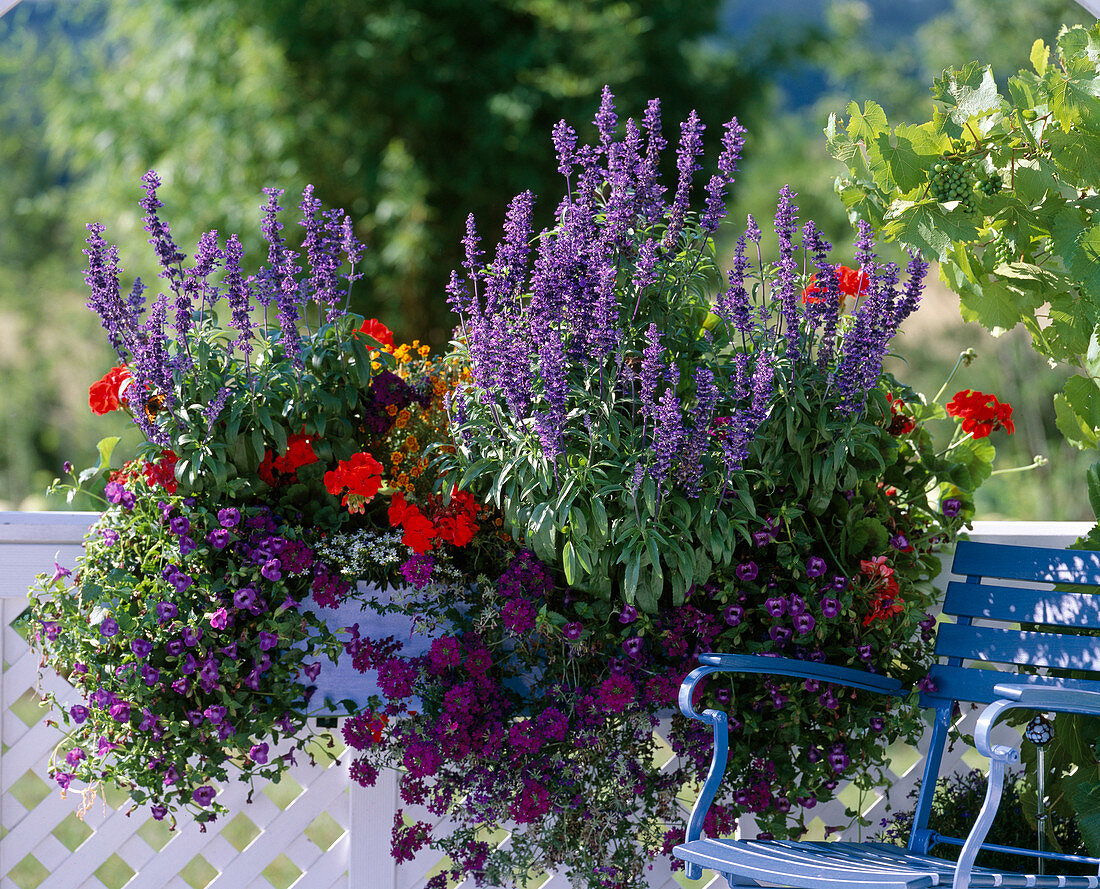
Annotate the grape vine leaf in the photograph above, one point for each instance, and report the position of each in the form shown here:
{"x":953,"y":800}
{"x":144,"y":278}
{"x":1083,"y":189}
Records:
{"x":1085,"y":263}
{"x":904,"y":158}
{"x":997,"y":305}
{"x":866,"y":124}
{"x":969,"y":92}
{"x":1040,"y":56}
{"x":928,"y":227}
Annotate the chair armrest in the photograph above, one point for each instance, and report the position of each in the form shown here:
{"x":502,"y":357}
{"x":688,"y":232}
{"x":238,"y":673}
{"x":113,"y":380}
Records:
{"x":781,"y":666}
{"x":1014,"y":696}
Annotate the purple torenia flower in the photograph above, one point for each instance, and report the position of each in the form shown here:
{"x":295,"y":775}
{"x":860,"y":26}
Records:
{"x":120,"y":712}
{"x":78,"y":713}
{"x":268,"y":640}
{"x":272,"y":570}
{"x":141,"y":647}
{"x":572,"y":630}
{"x":218,"y":538}
{"x":830,"y":607}
{"x":219,"y":620}
{"x":108,"y":627}
{"x":734,"y":614}
{"x":204,"y":795}
{"x":815,"y":566}
{"x":166,"y":611}
{"x":633,"y":646}
{"x":150,"y":675}
{"x":951,"y":507}
{"x":229,"y":517}
{"x":628,"y":615}
{"x":180,"y":525}
{"x":804,"y":623}
{"x":747,"y":571}
{"x":244,"y":598}
{"x":258,"y":753}
{"x":776,"y":606}
{"x":191,"y":636}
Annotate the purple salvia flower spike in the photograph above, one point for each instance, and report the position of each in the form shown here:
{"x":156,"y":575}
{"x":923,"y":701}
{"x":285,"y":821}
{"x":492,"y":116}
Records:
{"x":691,"y":146}
{"x":565,"y":143}
{"x":606,"y":120}
{"x":101,"y":276}
{"x":785,"y":228}
{"x":239,"y":297}
{"x":916,"y":268}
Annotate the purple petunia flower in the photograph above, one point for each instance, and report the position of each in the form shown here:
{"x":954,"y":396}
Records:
{"x":258,"y":753}
{"x":78,"y":713}
{"x":219,"y":620}
{"x":108,"y":627}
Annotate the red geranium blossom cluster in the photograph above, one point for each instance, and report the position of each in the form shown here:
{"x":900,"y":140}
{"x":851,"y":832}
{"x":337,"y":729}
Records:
{"x":981,"y":414}
{"x":105,"y":395}
{"x":852,"y":282}
{"x":453,"y":523}
{"x":375,"y":328}
{"x":358,"y":478}
{"x":299,"y":452}
{"x":161,"y":471}
{"x":887,"y":601}
{"x":900,"y":422}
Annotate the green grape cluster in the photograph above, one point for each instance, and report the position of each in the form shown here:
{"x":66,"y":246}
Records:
{"x":952,"y":180}
{"x":991,"y":184}
{"x":1002,"y":251}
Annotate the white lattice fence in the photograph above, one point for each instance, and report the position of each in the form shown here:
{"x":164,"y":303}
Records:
{"x":314,"y":830}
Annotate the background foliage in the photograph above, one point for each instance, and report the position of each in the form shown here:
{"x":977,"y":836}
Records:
{"x":225,"y":97}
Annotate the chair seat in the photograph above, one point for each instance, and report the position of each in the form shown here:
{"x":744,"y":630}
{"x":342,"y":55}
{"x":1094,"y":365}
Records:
{"x":808,"y":865}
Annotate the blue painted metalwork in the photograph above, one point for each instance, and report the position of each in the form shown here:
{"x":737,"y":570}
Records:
{"x":805,"y":865}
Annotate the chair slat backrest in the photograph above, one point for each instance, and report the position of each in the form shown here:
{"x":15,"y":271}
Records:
{"x":1009,"y":623}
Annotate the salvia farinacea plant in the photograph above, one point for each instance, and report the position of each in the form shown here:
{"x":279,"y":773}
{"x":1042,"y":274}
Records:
{"x":623,"y":389}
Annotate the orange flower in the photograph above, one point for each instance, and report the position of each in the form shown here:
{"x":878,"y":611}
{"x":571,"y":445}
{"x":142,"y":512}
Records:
{"x":105,"y":395}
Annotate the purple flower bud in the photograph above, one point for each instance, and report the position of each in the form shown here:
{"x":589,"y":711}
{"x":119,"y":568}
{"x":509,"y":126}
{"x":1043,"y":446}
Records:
{"x":67,"y":467}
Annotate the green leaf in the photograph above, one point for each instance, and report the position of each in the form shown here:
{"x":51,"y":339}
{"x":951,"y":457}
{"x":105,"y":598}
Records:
{"x":1083,"y":398}
{"x":630,"y":580}
{"x":928,"y":227}
{"x":1085,"y":798}
{"x":1093,"y":476}
{"x":902,"y":160}
{"x":570,"y":564}
{"x":997,"y":305}
{"x":1085,"y":263}
{"x":1040,"y":56}
{"x":1076,"y":432}
{"x":969,"y":92}
{"x":866,"y":124}
{"x":106,"y":447}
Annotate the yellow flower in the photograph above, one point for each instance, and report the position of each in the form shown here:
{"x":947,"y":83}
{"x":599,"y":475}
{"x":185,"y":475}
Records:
{"x":424,"y":351}
{"x":391,"y":409}
{"x":402,"y":419}
{"x":397,"y":457}
{"x":411,"y":444}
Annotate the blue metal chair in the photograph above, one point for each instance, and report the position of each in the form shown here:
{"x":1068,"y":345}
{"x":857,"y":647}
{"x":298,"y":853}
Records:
{"x":1046,"y":656}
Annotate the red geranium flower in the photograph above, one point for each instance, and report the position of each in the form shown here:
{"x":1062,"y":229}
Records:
{"x":851,"y":282}
{"x":299,"y":453}
{"x":163,"y":471}
{"x":900,"y":423}
{"x":379,"y":331}
{"x":360,"y":475}
{"x":105,"y":395}
{"x":981,"y":414}
{"x":887,"y":601}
